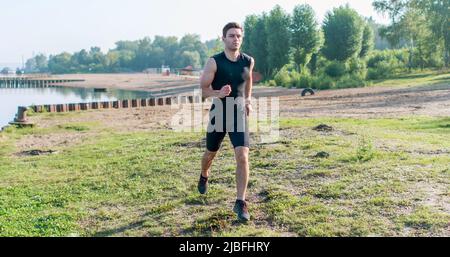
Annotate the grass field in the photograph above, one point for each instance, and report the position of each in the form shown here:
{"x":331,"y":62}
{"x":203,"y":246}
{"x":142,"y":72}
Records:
{"x":386,"y":177}
{"x":365,"y":177}
{"x":416,"y":78}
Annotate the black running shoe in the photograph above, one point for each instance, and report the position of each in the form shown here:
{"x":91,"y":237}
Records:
{"x":202,"y":185}
{"x":241,"y":209}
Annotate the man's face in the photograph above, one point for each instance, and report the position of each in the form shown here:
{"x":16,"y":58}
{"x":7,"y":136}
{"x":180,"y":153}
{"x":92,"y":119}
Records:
{"x":233,"y":39}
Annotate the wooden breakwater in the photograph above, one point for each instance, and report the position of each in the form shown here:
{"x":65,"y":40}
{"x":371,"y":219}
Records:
{"x":22,"y":120}
{"x":32,"y":82}
{"x":118,"y":104}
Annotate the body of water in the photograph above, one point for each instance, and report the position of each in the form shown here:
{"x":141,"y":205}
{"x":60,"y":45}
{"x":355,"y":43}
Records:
{"x":12,"y":98}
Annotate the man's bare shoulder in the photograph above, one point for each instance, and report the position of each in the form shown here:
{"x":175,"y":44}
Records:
{"x":211,"y":64}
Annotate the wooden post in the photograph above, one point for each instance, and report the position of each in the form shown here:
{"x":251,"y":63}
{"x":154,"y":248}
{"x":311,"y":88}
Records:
{"x":21,"y":114}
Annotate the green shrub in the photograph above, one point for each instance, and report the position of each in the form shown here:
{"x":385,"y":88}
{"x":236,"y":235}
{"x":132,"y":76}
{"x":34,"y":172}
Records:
{"x":272,"y":83}
{"x":301,"y":80}
{"x":323,"y":82}
{"x":356,"y":65}
{"x":335,"y":69}
{"x":295,"y":79}
{"x":282,"y":78}
{"x":396,"y":60}
{"x":305,"y":81}
{"x":376,"y":57}
{"x":382,"y":70}
{"x":365,"y":151}
{"x":351,"y":80}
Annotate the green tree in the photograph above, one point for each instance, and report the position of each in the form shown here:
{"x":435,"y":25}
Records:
{"x":343,"y":31}
{"x":437,"y":14}
{"x":249,"y":34}
{"x":60,"y":63}
{"x":380,"y":42}
{"x":98,"y":62}
{"x":127,"y":45}
{"x":192,"y":43}
{"x":367,"y":41}
{"x":38,"y":63}
{"x":169,"y":46}
{"x":143,"y":54}
{"x":112,"y":61}
{"x":395,"y":10}
{"x":190,"y":58}
{"x":278,"y":39}
{"x":127,"y":51}
{"x":214,"y":46}
{"x":305,"y":35}
{"x":30,"y":65}
{"x":255,"y":42}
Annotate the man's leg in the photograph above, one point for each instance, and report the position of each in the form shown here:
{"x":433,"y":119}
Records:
{"x":242,"y":171}
{"x":213,"y":142}
{"x":207,"y":159}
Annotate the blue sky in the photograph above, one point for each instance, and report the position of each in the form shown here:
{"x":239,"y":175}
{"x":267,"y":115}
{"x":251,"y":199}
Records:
{"x":53,"y":26}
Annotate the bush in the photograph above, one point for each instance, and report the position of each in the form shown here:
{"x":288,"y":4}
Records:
{"x":384,"y":64}
{"x":282,"y":78}
{"x":295,"y":79}
{"x":365,"y":151}
{"x":356,"y":65}
{"x":289,"y":77}
{"x":382,"y":70}
{"x":398,"y":59}
{"x":377,"y":57}
{"x":272,"y":83}
{"x":335,"y":69}
{"x":351,"y":80}
{"x":305,"y":81}
{"x":427,"y":59}
{"x":402,"y":55}
{"x":301,"y":80}
{"x":323,"y":82}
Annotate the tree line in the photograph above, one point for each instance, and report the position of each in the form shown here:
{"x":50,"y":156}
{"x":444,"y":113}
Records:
{"x":129,"y":56}
{"x":293,"y":49}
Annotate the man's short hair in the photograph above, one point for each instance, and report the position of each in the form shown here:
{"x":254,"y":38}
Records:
{"x":231,"y":25}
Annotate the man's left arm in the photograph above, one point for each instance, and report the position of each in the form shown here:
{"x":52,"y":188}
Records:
{"x":249,"y":82}
{"x":248,"y":88}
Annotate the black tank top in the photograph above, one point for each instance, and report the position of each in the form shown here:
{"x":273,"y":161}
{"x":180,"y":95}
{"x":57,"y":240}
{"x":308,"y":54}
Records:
{"x":230,"y":73}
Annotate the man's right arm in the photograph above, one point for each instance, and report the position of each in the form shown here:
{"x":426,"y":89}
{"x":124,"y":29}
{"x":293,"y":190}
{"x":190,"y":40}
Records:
{"x":207,"y":78}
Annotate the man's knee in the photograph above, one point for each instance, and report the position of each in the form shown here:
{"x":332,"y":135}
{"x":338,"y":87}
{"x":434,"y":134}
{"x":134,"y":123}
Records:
{"x":241,"y":155}
{"x":209,"y":154}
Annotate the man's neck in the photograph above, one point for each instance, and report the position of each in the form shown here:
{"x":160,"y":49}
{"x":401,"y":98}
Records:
{"x":232,"y":55}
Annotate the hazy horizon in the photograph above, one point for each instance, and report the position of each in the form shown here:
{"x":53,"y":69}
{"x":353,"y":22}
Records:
{"x":52,"y":27}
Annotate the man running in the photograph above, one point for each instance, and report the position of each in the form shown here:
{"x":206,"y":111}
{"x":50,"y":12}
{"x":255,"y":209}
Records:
{"x":228,"y":78}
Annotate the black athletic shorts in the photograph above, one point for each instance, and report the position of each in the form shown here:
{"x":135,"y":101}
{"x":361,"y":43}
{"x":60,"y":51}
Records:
{"x":239,"y":133}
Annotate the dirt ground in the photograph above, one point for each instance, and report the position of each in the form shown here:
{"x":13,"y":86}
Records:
{"x":355,"y":102}
{"x":131,"y":81}
{"x":369,"y":102}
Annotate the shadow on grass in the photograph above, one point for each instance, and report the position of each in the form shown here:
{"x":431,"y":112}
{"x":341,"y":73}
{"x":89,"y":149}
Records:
{"x":115,"y":231}
{"x":443,"y":78}
{"x":439,"y":125}
{"x":414,"y":76}
{"x":217,"y":222}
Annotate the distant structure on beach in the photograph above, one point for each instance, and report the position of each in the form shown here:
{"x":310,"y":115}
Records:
{"x":166,"y":71}
{"x":190,"y":71}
